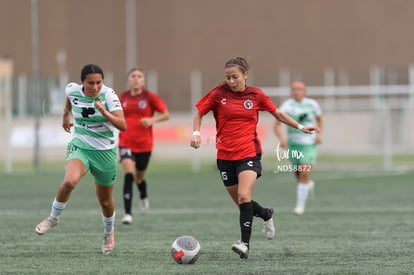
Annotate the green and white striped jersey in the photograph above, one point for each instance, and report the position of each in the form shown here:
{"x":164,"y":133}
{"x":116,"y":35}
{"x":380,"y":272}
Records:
{"x":92,"y":130}
{"x":304,"y":112}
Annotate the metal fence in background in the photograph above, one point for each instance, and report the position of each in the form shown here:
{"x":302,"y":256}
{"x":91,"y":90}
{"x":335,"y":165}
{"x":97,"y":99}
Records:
{"x":384,"y":103}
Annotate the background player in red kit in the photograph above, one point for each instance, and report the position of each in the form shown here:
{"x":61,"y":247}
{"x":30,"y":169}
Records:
{"x":136,"y":143}
{"x":235,"y":107}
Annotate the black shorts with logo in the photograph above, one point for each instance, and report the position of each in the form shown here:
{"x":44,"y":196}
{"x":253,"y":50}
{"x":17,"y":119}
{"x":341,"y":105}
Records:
{"x":141,"y":159}
{"x":230,"y":169}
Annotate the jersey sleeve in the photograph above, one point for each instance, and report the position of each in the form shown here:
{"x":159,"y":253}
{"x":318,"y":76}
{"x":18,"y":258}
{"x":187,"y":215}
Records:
{"x":265,"y":103}
{"x":112,"y":101}
{"x":158,"y":104}
{"x":206,"y":104}
{"x":318,"y":111}
{"x":71,"y":87}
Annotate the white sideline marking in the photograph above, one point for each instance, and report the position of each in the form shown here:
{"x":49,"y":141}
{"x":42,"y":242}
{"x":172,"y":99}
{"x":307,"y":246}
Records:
{"x":180,"y":211}
{"x":337,"y":175}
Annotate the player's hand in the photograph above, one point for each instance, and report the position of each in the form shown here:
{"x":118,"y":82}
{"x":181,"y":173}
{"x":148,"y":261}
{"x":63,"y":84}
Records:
{"x":196,"y":141}
{"x":67,"y":125}
{"x":99,"y":106}
{"x":146,"y":122}
{"x":310,"y":129}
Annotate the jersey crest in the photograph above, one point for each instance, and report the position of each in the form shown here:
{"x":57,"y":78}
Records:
{"x":142,"y":104}
{"x":248,"y":104}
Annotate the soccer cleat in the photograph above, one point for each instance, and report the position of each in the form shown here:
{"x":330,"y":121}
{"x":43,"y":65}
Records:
{"x":242,"y":249}
{"x":268,"y":227}
{"x":299,"y":210}
{"x":127,"y":219}
{"x":311,"y":194}
{"x":45,"y":225}
{"x":108,"y":243}
{"x":143,"y":206}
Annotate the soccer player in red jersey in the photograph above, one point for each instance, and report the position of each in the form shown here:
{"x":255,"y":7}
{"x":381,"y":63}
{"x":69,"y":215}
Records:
{"x":235,"y":107}
{"x":136,"y":143}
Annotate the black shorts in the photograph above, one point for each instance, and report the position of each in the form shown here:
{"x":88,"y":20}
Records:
{"x":230,"y":169}
{"x":141,"y":159}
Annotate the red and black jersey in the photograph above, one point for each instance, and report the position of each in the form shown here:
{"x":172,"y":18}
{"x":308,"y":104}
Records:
{"x":236,"y":115}
{"x":137,"y":137}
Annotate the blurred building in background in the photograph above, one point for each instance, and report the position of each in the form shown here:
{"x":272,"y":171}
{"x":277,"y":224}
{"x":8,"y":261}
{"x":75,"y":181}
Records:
{"x":172,"y":38}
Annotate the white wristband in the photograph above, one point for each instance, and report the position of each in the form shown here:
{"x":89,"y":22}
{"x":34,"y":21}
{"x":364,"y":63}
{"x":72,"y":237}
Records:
{"x":300,"y":127}
{"x":196,"y":133}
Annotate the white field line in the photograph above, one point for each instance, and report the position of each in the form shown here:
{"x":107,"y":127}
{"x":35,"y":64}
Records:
{"x":336,"y":175}
{"x":181,"y":211}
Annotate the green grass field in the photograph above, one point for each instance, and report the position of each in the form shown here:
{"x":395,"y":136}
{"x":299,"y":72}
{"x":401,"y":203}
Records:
{"x":361,"y":222}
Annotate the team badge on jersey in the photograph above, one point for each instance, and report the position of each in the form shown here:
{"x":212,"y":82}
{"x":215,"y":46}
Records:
{"x":248,"y":104}
{"x":142,"y":104}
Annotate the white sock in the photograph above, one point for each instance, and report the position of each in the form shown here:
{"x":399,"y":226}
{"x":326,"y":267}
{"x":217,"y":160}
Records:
{"x":57,"y":209}
{"x":108,"y":223}
{"x":302,"y":194}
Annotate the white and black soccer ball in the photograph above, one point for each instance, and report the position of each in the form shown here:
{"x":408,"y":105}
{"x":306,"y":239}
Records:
{"x":185,"y":250}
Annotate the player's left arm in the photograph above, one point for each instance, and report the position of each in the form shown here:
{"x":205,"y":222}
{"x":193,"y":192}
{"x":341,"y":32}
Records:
{"x":286,"y":119}
{"x":149,"y":121}
{"x":157,"y":105}
{"x":114,"y":114}
{"x":115,"y":117}
{"x":267,"y":105}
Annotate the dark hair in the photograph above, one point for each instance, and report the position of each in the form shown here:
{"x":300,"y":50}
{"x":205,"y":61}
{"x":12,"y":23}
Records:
{"x":136,"y":69}
{"x":239,"y":62}
{"x":91,"y":69}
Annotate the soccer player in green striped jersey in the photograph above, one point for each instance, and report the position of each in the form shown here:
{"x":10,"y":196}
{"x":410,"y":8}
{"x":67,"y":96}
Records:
{"x":301,"y":147}
{"x":96,"y":112}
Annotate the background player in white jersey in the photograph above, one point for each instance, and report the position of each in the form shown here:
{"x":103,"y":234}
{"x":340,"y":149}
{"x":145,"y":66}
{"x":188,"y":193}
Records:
{"x":96,"y":112}
{"x":301,"y":147}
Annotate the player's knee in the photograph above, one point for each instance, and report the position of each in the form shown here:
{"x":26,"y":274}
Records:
{"x":68,"y":185}
{"x":243,"y":198}
{"x":106,"y":203}
{"x":139,"y":178}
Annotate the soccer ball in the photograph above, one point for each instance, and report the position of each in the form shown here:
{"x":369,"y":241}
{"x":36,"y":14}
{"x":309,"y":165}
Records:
{"x":185,"y":250}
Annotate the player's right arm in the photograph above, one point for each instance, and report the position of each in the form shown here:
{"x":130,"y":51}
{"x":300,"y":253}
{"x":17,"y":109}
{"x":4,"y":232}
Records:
{"x":196,"y":139}
{"x":319,"y":123}
{"x":66,"y":122}
{"x":205,"y":105}
{"x":278,"y":132}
